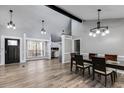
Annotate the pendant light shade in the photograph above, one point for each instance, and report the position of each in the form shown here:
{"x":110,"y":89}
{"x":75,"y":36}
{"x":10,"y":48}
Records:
{"x":43,"y":31}
{"x":10,"y":24}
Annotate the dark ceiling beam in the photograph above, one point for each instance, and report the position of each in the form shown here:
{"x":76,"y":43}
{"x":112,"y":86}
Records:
{"x":64,"y":12}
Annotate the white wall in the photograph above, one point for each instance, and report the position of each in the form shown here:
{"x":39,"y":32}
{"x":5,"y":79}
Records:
{"x":77,"y":29}
{"x":27,"y":19}
{"x":112,"y":43}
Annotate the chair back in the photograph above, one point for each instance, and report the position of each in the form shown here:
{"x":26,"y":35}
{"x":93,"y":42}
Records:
{"x":110,"y":57}
{"x":92,"y":55}
{"x":99,"y":64}
{"x":73,"y":56}
{"x":79,"y":60}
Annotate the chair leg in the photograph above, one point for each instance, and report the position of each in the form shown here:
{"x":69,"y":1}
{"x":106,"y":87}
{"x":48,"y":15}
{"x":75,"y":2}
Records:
{"x":93,"y":75}
{"x":112,"y":78}
{"x":105,"y":80}
{"x":99,"y":75}
{"x":83,"y":71}
{"x":115,"y":76}
{"x":71,"y":65}
{"x":89,"y":70}
{"x":76,"y":70}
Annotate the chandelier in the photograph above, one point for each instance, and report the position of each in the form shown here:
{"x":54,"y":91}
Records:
{"x":43,"y":31}
{"x":103,"y":30}
{"x":11,"y":24}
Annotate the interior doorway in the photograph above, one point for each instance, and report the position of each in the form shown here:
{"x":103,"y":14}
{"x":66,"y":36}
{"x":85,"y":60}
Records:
{"x":12,"y":51}
{"x":77,"y":46}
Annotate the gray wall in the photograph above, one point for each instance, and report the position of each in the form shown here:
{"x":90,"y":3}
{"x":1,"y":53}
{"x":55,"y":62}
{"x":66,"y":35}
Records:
{"x":112,"y":43}
{"x":28,"y":20}
{"x":77,"y":33}
{"x":56,"y":37}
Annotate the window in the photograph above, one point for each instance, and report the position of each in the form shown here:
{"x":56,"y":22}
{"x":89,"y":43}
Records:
{"x":36,"y":49}
{"x":12,"y":42}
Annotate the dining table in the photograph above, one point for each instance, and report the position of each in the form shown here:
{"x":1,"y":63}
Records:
{"x":109,"y":63}
{"x":119,"y":65}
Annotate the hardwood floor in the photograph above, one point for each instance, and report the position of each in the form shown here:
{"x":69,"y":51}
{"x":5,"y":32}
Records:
{"x":48,"y":74}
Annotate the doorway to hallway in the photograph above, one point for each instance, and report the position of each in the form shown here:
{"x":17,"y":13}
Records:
{"x":77,"y":46}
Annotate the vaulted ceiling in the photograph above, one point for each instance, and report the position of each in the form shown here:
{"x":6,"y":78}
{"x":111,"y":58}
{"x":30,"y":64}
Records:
{"x":89,"y":12}
{"x":29,"y":17}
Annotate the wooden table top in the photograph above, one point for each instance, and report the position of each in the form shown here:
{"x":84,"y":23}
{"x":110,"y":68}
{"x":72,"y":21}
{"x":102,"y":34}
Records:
{"x":112,"y":64}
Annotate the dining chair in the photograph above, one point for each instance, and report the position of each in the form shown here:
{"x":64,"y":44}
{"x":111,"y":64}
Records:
{"x":99,"y":67}
{"x":112,"y":58}
{"x":73,"y":62}
{"x":81,"y":65}
{"x":92,"y":55}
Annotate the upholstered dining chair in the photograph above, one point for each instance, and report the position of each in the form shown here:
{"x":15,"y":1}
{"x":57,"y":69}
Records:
{"x":112,"y":58}
{"x":73,"y":62}
{"x":92,"y":55}
{"x":99,"y":66}
{"x":81,"y":65}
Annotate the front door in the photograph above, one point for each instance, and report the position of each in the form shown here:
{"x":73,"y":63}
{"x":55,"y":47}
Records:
{"x":12,"y":51}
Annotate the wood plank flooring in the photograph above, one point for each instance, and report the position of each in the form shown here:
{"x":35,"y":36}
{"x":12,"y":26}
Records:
{"x":48,"y":74}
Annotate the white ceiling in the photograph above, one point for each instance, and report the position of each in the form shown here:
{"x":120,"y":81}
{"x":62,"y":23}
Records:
{"x":89,"y":12}
{"x":29,"y":17}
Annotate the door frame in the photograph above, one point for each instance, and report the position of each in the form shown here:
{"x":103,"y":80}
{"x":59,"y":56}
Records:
{"x":64,"y":53}
{"x":78,"y":38}
{"x":3,"y":48}
{"x":36,"y":39}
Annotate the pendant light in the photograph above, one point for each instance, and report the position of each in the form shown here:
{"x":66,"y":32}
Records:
{"x":43,"y":31}
{"x":103,"y":30}
{"x":11,"y":25}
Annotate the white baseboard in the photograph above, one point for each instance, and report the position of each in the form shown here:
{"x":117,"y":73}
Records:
{"x":120,"y":58}
{"x":1,"y":64}
{"x":66,"y":62}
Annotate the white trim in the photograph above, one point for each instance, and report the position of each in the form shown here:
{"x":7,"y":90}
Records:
{"x":37,"y":58}
{"x":3,"y":48}
{"x":49,"y":47}
{"x":84,"y":53}
{"x":63,"y":47}
{"x":63,"y":38}
{"x":120,"y":58}
{"x":77,"y":38}
{"x":24,"y":40}
{"x":67,"y":53}
{"x":35,"y":39}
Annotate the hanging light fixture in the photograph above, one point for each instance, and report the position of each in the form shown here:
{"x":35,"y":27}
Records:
{"x":43,"y":31}
{"x":11,"y":24}
{"x":103,"y":30}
